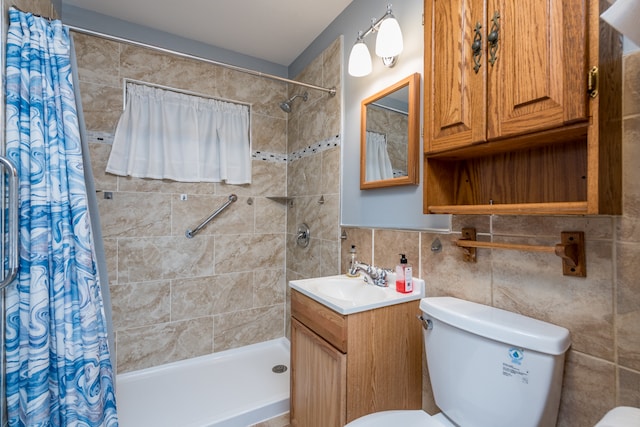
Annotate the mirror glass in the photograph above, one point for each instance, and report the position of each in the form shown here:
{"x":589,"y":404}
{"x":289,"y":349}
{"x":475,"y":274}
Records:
{"x":389,"y":141}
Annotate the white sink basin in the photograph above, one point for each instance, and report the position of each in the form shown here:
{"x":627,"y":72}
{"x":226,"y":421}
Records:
{"x":347,"y":295}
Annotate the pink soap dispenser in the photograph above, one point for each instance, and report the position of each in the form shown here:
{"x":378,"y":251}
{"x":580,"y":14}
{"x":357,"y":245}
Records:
{"x":404,"y":283}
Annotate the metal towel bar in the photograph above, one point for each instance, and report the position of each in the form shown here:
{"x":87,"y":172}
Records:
{"x":190,"y":233}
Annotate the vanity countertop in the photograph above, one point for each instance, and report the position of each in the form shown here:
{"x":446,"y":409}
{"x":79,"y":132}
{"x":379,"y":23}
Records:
{"x":347,"y":295}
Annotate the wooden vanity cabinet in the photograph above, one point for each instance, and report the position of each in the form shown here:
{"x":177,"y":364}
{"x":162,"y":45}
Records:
{"x":516,"y":127}
{"x":347,"y":366}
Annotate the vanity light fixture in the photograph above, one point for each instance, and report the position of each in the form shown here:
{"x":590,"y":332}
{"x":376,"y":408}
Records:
{"x":389,"y":45}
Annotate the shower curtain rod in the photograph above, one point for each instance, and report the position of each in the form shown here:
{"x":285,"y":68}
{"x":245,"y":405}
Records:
{"x":331,"y":91}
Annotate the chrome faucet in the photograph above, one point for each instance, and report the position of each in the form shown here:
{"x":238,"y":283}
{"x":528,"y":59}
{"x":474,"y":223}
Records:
{"x":374,"y":275}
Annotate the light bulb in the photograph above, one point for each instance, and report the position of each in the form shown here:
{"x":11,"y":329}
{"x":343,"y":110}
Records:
{"x":389,"y":41}
{"x":360,"y":60}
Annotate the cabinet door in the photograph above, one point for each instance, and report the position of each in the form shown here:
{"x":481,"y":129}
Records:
{"x":455,"y":90}
{"x":538,"y":80}
{"x":318,"y":380}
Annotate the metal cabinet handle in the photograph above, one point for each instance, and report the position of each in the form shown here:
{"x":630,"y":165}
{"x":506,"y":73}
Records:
{"x":12,"y":221}
{"x":476,"y":47}
{"x":494,"y":37}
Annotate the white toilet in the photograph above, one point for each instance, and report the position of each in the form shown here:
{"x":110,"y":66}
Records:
{"x":490,"y":368}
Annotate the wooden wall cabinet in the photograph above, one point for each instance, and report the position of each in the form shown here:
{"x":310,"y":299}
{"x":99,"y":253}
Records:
{"x":344,"y":367}
{"x":513,"y":123}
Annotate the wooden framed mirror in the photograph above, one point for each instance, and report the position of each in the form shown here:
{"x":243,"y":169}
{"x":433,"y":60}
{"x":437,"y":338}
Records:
{"x":389,"y":136}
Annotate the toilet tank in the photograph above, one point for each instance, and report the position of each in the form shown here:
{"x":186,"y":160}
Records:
{"x":491,"y":367}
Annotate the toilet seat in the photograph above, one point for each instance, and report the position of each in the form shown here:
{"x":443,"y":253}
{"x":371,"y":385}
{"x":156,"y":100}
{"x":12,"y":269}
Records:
{"x":416,"y":418}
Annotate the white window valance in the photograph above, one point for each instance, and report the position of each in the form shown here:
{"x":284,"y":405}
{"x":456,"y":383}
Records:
{"x":164,"y":134}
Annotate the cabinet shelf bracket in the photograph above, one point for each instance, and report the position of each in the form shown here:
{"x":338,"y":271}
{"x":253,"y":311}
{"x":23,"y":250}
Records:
{"x":571,"y":249}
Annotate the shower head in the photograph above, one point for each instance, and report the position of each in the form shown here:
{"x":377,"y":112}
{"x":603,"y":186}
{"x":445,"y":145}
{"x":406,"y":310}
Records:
{"x":286,"y":105}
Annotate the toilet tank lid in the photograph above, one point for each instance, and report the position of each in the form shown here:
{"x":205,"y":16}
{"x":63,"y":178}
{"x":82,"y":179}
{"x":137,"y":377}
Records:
{"x":498,"y":325}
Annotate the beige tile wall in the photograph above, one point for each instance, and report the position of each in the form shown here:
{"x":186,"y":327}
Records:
{"x":313,"y":174}
{"x":173,"y":297}
{"x":602,"y":311}
{"x":39,"y":7}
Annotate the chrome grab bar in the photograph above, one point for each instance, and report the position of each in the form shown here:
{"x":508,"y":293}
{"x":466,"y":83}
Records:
{"x":12,"y":173}
{"x":191,"y":233}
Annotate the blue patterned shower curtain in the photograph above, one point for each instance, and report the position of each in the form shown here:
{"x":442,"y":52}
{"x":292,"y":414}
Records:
{"x":58,"y":367}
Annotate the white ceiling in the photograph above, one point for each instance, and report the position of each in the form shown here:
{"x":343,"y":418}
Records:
{"x":273,"y":30}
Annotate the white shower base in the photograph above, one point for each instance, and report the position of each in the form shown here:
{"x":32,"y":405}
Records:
{"x":232,"y":388}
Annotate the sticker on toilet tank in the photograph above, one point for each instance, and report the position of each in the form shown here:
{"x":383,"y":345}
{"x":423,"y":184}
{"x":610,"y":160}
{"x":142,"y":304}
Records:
{"x":514,"y":367}
{"x":516,"y":355}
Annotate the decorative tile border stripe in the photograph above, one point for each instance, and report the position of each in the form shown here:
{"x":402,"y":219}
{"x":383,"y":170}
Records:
{"x":318,"y":147}
{"x":107,"y":138}
{"x":269,"y":157}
